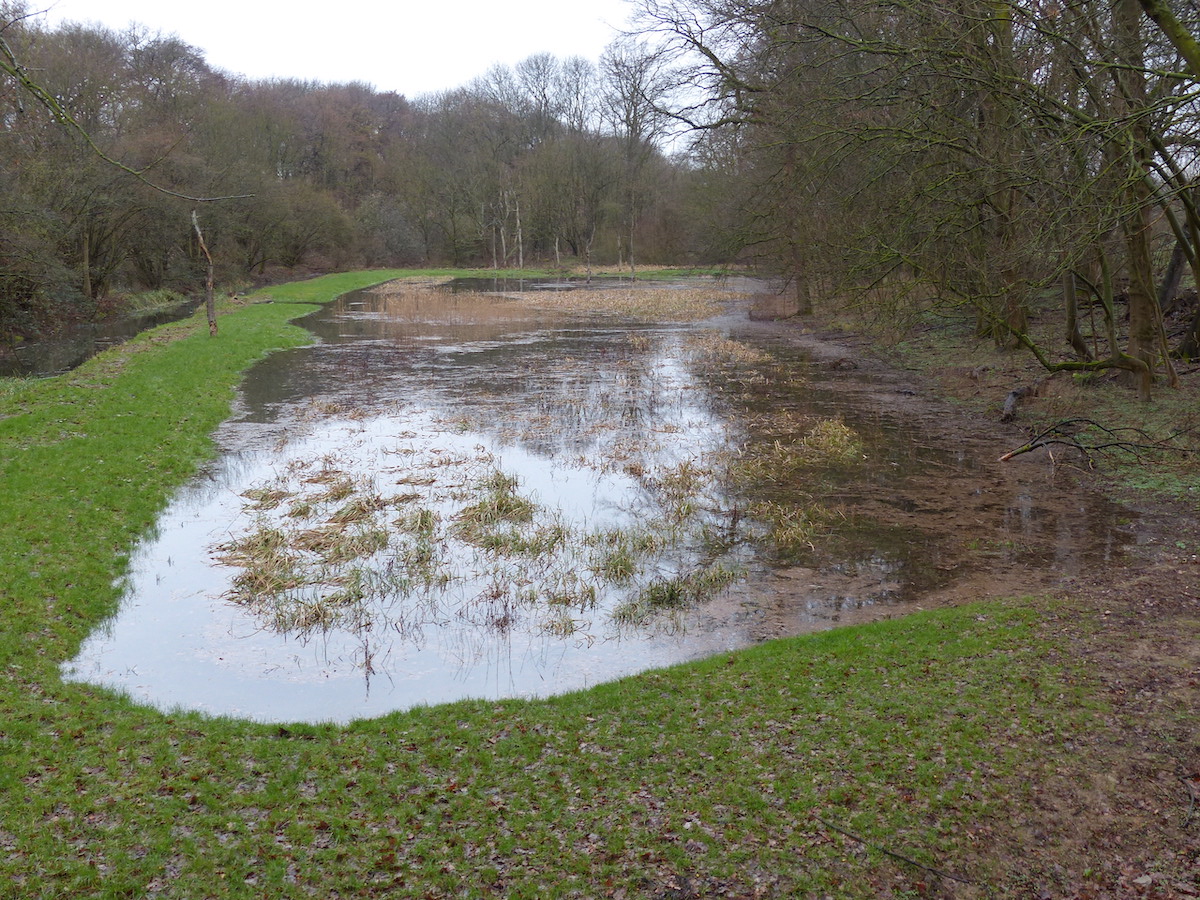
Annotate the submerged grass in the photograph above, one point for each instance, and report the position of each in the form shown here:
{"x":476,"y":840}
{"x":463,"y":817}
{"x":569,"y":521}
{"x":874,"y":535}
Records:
{"x":675,"y":592}
{"x":712,"y":347}
{"x":716,"y":776}
{"x":513,"y":546}
{"x":500,"y":505}
{"x":471,"y":549}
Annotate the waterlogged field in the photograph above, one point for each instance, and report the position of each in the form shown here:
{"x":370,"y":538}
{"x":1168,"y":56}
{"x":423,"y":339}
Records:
{"x":910,"y":757}
{"x":483,"y":495}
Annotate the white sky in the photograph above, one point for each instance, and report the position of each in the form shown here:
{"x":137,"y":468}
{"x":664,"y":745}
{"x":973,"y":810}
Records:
{"x":408,"y":46}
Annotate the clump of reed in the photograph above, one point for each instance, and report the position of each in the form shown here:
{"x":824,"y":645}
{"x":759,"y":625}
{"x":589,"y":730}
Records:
{"x":264,"y":498}
{"x":680,"y":488}
{"x":832,"y":441}
{"x":788,"y":459}
{"x":617,"y":554}
{"x":713,"y":347}
{"x":357,"y":510}
{"x":334,"y":545}
{"x":791,"y":528}
{"x":647,"y":302}
{"x":570,"y":590}
{"x":479,"y":523}
{"x":674,"y":593}
{"x":268,"y":564}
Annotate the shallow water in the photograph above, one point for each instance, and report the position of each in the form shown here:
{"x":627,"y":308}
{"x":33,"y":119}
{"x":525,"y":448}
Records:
{"x":81,"y":342}
{"x":601,"y":427}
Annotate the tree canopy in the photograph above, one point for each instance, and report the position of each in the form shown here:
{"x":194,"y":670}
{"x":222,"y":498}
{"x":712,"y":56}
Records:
{"x":111,"y":139}
{"x":994,"y":156}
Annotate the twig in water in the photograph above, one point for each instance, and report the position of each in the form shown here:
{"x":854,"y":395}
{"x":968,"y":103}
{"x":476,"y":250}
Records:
{"x":891,"y":853}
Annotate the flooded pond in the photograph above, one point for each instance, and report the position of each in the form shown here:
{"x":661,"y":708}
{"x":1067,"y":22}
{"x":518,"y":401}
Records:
{"x":463,"y":494}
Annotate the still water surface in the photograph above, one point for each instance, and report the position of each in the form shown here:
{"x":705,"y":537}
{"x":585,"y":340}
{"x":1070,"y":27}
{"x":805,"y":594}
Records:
{"x":603,"y":427}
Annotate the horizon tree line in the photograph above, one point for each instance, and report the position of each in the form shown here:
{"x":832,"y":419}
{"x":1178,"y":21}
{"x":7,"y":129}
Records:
{"x":549,"y":162}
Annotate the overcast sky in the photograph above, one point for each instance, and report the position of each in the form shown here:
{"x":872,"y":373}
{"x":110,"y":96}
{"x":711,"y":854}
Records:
{"x":396,"y":45}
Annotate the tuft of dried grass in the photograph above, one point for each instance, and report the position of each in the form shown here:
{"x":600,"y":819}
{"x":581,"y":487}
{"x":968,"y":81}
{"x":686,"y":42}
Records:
{"x":830,"y":442}
{"x":266,"y":498}
{"x":674,"y":593}
{"x":714,"y":347}
{"x":833,"y":441}
{"x":791,"y":528}
{"x":360,"y":509}
{"x":501,"y":505}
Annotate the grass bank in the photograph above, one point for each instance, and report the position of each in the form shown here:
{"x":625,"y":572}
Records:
{"x":858,"y":763}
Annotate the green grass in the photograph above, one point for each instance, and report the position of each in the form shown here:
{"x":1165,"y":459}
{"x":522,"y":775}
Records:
{"x":908,"y":733}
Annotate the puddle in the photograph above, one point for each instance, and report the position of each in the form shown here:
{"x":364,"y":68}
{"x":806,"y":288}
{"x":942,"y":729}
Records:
{"x":468,"y":495}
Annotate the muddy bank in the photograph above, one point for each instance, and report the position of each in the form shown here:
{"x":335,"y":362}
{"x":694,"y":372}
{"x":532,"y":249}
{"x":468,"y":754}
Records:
{"x":1125,"y":614}
{"x":1000,"y":528}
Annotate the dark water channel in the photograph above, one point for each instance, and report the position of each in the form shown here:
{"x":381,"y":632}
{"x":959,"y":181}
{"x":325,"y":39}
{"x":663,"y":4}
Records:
{"x":81,"y":342}
{"x":457,"y":495}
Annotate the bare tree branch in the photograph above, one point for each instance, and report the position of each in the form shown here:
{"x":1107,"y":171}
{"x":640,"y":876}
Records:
{"x":10,"y":65}
{"x":1125,"y":440}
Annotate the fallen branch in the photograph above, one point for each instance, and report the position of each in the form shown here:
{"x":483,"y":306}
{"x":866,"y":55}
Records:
{"x":891,"y":853}
{"x":1125,"y":439}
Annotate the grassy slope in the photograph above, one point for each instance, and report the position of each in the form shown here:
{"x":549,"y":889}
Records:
{"x":707,"y":777}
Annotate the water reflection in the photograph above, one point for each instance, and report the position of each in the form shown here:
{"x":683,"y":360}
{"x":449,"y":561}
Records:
{"x":604,"y":428}
{"x":81,"y":342}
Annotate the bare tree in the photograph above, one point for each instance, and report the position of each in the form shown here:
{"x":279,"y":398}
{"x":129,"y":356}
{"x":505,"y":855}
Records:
{"x":636,"y":83}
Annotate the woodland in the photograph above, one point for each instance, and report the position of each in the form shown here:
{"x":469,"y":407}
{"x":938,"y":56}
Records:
{"x":1029,"y":164}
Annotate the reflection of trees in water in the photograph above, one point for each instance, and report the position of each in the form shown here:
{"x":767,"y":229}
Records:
{"x":448,"y":538}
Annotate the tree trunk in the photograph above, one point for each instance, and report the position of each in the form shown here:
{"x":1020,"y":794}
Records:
{"x":632,"y":261}
{"x":1071,"y":301}
{"x":1130,"y":100}
{"x":1189,"y":349}
{"x":804,"y":305}
{"x":1169,"y":286}
{"x":86,"y":264}
{"x":210,"y":305}
{"x":1176,"y":32}
{"x":796,"y":242}
{"x":520,"y":238}
{"x":1002,"y":196}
